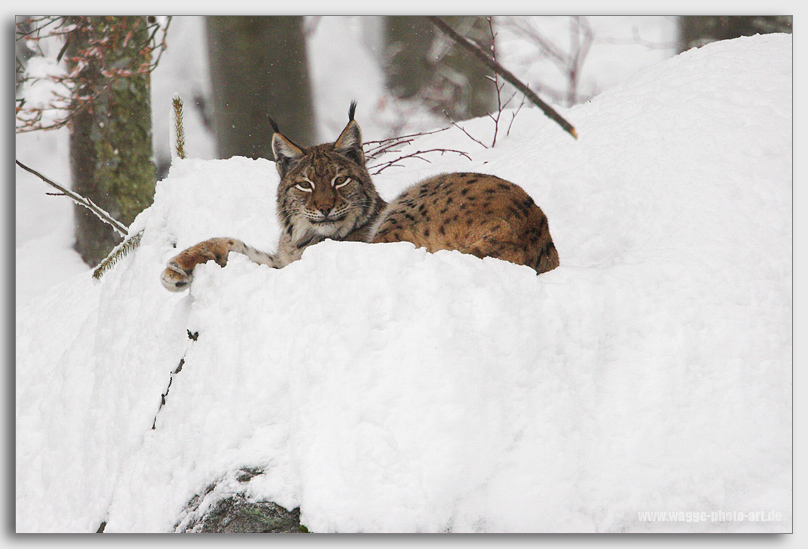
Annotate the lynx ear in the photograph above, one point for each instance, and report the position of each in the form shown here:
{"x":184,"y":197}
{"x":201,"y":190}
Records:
{"x":287,"y":154}
{"x":349,"y":142}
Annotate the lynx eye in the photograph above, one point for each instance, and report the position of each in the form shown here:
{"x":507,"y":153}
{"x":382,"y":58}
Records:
{"x":304,"y":188}
{"x":340,"y":181}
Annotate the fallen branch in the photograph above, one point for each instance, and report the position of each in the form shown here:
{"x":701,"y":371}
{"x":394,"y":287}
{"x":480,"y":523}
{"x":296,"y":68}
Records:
{"x":78,"y":199}
{"x":504,"y":73}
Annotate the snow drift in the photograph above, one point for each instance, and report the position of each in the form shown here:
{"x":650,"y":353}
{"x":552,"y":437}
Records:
{"x":381,"y":388}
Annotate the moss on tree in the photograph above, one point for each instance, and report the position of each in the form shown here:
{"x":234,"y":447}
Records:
{"x":111,"y":134}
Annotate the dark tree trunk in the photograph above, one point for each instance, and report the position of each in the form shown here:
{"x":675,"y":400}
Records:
{"x":695,"y":31}
{"x":408,"y":40}
{"x":422,"y":62}
{"x":258,"y":68}
{"x":110,"y":139}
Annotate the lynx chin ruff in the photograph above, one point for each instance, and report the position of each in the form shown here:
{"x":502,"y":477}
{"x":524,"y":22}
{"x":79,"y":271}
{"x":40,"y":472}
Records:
{"x":325,"y":191}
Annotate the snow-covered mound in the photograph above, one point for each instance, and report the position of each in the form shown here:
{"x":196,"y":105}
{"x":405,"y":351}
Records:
{"x":381,"y":388}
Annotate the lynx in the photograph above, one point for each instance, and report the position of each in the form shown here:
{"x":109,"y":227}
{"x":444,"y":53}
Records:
{"x":326,"y":192}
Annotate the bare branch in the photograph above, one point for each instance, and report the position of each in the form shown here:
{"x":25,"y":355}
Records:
{"x":381,"y":146}
{"x":504,"y":73}
{"x":375,"y":149}
{"x":497,"y":85}
{"x":513,"y":115}
{"x":379,"y":168}
{"x":82,"y":201}
{"x":462,"y":129}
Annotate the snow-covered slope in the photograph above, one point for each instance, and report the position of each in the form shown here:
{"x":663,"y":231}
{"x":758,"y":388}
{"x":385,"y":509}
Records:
{"x":385,"y":389}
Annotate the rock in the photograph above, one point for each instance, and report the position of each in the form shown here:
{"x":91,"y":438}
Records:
{"x":236,"y":515}
{"x":223,"y":508}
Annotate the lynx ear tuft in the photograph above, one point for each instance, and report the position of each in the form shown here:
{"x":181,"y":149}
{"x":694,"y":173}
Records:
{"x":351,"y":111}
{"x":273,"y":124}
{"x":287,"y":154}
{"x":349,"y":142}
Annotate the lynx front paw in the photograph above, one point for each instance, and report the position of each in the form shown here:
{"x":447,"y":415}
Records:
{"x":174,"y":278}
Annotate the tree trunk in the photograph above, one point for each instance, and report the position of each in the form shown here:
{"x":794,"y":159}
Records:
{"x":21,"y":50}
{"x":408,"y":41}
{"x":258,"y":68}
{"x":110,"y":139}
{"x":695,"y":31}
{"x":425,"y":63}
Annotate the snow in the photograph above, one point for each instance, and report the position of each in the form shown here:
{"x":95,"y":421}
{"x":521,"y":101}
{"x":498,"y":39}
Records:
{"x":384,"y":389}
{"x":43,"y":223}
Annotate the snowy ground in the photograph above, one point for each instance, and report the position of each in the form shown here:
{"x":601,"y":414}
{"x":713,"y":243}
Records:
{"x":382,"y":388}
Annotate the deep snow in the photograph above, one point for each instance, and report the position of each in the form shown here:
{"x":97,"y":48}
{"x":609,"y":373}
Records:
{"x":382,"y":388}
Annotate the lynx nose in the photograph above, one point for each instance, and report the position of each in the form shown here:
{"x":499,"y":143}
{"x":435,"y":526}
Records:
{"x":325,"y":210}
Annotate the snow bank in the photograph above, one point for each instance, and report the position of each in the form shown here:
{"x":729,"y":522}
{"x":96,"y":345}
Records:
{"x":385,"y":389}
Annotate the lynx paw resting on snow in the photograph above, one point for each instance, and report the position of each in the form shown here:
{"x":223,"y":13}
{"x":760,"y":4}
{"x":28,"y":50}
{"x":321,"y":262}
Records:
{"x":174,"y":279}
{"x":179,"y":270}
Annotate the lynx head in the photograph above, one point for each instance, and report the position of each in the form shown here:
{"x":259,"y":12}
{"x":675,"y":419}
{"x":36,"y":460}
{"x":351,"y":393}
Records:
{"x":325,"y":189}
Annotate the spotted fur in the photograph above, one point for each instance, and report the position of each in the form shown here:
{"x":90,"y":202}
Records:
{"x":325,"y":191}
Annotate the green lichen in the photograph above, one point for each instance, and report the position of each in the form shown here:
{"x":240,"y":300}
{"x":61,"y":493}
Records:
{"x":111,"y":138}
{"x":237,"y":515}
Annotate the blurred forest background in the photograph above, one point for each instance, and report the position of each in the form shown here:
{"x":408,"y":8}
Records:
{"x":95,"y":77}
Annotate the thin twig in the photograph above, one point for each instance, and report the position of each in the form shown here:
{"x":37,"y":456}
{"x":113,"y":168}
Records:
{"x":82,"y":201}
{"x":379,"y":168}
{"x":504,"y":73}
{"x":495,"y":80}
{"x":375,"y":149}
{"x":378,"y":147}
{"x":456,"y":125}
{"x":513,"y":115}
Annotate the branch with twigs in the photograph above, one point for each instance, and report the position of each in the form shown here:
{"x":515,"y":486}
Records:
{"x":81,"y":201}
{"x":462,"y":129}
{"x":501,"y":105}
{"x":497,"y":84}
{"x":504,"y":73}
{"x":72,"y":95}
{"x":376,"y":149}
{"x":129,"y":243}
{"x":568,"y":59}
{"x":379,"y":168}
